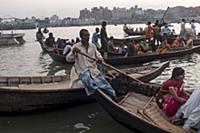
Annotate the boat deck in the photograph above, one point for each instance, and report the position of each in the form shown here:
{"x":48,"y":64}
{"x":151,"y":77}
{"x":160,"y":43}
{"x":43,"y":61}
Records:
{"x":137,"y":104}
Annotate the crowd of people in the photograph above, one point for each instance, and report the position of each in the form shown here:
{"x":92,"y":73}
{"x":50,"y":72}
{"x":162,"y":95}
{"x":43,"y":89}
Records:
{"x":60,"y":46}
{"x":158,"y":38}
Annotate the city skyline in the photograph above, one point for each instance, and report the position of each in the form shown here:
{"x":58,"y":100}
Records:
{"x":66,"y":8}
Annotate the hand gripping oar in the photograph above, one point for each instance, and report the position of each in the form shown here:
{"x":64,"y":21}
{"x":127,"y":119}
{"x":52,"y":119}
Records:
{"x":114,"y":68}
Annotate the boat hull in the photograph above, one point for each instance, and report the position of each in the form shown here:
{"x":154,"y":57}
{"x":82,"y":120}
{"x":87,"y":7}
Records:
{"x":11,"y":39}
{"x":21,"y":95}
{"x":125,"y":117}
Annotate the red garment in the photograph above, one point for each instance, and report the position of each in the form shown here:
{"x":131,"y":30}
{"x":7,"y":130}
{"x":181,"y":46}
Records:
{"x":149,"y":32}
{"x":170,"y":105}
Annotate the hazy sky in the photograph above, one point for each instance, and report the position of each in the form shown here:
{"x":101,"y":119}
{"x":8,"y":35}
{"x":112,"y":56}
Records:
{"x":70,"y":8}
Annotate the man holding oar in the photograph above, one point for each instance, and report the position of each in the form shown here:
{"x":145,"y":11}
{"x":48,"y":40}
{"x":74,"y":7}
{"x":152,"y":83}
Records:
{"x":85,"y":69}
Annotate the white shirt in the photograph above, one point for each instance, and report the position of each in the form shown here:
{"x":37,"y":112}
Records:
{"x":83,"y":63}
{"x":182,"y":26}
{"x":191,"y":110}
{"x":66,"y":49}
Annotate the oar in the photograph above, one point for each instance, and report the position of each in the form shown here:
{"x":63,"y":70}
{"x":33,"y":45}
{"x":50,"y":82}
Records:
{"x":114,"y":68}
{"x":165,"y":14}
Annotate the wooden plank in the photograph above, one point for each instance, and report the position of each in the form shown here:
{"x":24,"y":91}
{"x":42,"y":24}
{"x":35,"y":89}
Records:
{"x":46,"y":86}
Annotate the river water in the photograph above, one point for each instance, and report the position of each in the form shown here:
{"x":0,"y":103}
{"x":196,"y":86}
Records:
{"x":28,"y":59}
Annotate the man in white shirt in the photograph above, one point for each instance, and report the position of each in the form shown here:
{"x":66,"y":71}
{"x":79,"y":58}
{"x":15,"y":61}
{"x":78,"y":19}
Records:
{"x":190,"y":111}
{"x":193,"y":27}
{"x":182,"y":32}
{"x":67,"y":49}
{"x":85,"y":69}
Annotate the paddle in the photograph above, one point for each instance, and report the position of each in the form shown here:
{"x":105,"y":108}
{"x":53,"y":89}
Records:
{"x":164,"y":14}
{"x":114,"y":68}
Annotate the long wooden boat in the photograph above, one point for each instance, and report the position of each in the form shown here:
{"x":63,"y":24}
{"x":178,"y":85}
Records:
{"x":27,"y":94}
{"x":143,"y":58}
{"x":146,"y":73}
{"x":137,"y":59}
{"x":41,"y":93}
{"x":11,"y":39}
{"x":133,"y":33}
{"x":138,"y":111}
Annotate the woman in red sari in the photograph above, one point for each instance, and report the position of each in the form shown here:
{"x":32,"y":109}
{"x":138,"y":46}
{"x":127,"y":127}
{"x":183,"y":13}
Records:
{"x":176,"y":94}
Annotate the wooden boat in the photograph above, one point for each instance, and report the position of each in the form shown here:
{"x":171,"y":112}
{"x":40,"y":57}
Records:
{"x":28,"y":94}
{"x":145,"y":73}
{"x":133,"y":33}
{"x":41,"y":93}
{"x":143,"y":58}
{"x":44,"y":47}
{"x":11,"y":39}
{"x":138,"y":111}
{"x":137,"y":59}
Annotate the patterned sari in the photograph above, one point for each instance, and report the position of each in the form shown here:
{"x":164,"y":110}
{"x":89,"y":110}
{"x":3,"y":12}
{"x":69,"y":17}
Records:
{"x":170,"y":105}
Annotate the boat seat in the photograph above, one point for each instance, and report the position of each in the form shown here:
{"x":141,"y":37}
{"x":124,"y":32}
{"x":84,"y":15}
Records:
{"x":157,"y":116}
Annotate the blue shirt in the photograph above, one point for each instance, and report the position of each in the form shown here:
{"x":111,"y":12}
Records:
{"x":95,"y":38}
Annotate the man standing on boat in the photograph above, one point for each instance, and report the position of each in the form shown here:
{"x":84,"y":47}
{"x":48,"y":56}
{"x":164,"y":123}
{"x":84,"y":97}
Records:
{"x":182,"y":32}
{"x":95,"y":38}
{"x":193,"y":27}
{"x":104,"y":39}
{"x":85,"y":69}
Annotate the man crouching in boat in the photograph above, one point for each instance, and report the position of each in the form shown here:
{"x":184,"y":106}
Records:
{"x":85,"y":69}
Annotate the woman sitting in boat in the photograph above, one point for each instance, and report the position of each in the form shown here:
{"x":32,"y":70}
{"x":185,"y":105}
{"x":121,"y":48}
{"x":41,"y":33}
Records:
{"x":131,"y":51}
{"x":164,"y":48}
{"x":172,"y":94}
{"x":144,"y":46}
{"x":138,"y":48}
{"x":176,"y":42}
{"x":111,"y":47}
{"x":188,"y":41}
